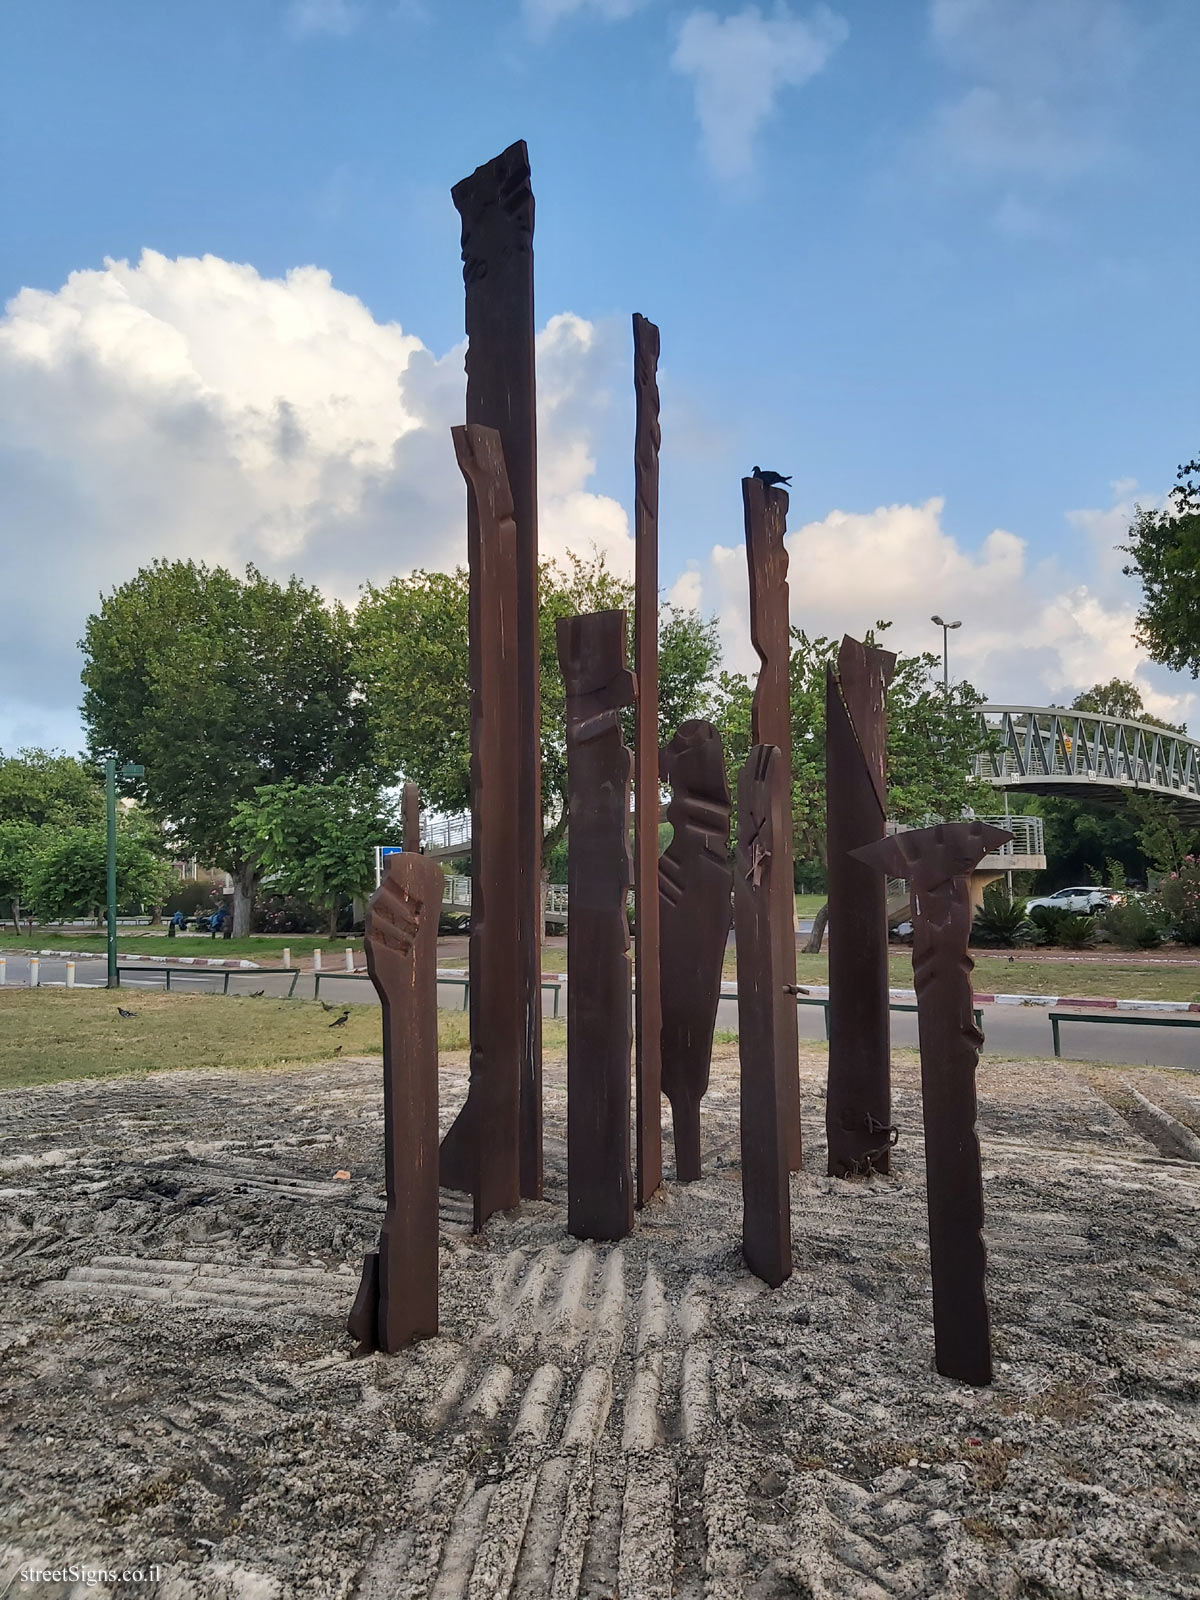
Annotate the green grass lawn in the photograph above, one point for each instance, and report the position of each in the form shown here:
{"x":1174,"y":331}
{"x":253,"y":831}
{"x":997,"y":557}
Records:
{"x":47,"y":1035}
{"x":137,"y":943}
{"x":807,"y":905}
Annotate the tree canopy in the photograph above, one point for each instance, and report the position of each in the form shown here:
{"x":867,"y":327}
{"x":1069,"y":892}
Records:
{"x":411,"y":658}
{"x":316,"y":840}
{"x":1165,"y":546}
{"x":218,"y":686}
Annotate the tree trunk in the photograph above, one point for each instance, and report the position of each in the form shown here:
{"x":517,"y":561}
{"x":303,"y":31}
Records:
{"x":333,"y":920}
{"x":813,"y":947}
{"x":16,"y":917}
{"x":155,"y":916}
{"x":245,"y":882}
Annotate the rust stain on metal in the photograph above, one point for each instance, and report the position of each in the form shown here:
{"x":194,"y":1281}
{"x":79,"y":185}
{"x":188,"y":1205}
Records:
{"x":648,"y":1068}
{"x":591,"y":652}
{"x":481,"y":1150}
{"x":496,"y":206}
{"x":694,"y":883}
{"x":937,"y":863}
{"x":858,"y":1104}
{"x":766,"y":1012}
{"x":771,"y":724}
{"x":397,"y":1299}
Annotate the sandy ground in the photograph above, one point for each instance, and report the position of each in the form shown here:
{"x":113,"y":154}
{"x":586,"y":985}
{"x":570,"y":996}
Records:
{"x":638,"y":1421}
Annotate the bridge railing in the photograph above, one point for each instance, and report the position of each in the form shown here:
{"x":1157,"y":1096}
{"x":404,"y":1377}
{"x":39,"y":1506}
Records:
{"x":1034,"y":744}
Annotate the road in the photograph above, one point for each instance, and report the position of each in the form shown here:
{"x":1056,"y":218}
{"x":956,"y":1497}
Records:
{"x":1010,"y":1030}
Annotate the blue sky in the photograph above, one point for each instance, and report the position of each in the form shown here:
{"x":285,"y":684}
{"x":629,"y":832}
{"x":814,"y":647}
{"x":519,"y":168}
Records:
{"x":937,"y":258}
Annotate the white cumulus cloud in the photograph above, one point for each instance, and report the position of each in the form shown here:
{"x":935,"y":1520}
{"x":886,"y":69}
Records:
{"x":194,"y":408}
{"x":740,"y":64}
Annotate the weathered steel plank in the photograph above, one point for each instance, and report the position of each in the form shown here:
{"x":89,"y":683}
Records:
{"x":397,"y":1299}
{"x":481,"y":1150}
{"x":694,"y":883}
{"x":765,"y":1009}
{"x":771,"y":723}
{"x":591,"y":652}
{"x":858,"y":1103}
{"x":411,"y":811}
{"x":496,"y":206}
{"x":647,"y":996}
{"x":938,"y":862}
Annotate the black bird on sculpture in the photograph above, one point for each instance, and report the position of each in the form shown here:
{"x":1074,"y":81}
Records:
{"x":770,"y":478}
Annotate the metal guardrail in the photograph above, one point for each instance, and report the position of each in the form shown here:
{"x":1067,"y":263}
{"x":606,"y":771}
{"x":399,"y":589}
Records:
{"x":195,"y":973}
{"x":893,"y":1005}
{"x":1057,"y":1018}
{"x":1045,"y":748}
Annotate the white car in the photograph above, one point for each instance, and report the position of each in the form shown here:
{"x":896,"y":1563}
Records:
{"x":1087,"y":899}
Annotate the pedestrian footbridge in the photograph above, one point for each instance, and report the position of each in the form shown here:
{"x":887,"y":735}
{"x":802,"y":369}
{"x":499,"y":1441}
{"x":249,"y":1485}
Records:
{"x":1084,"y":756}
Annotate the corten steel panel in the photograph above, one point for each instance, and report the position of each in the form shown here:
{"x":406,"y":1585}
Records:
{"x":858,"y":1105}
{"x":481,"y":1150}
{"x":496,"y":206}
{"x":938,"y":863}
{"x":647,"y":996}
{"x":765,"y":1004}
{"x":397,"y":1299}
{"x":694,"y":884}
{"x":771,"y":723}
{"x":412,"y":818}
{"x":591,"y":652}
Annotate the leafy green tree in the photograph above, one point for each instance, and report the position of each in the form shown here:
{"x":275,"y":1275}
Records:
{"x":218,"y":686}
{"x":316,"y":840}
{"x":18,"y":846}
{"x":411,"y":658}
{"x":41,"y":786}
{"x":1165,"y":546}
{"x":68,"y":875}
{"x":1120,"y":698}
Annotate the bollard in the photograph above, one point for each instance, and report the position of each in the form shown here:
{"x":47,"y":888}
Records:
{"x":34,"y":970}
{"x":316,"y":961}
{"x":287,"y":956}
{"x":349,"y":959}
{"x":70,"y":974}
{"x":3,"y":972}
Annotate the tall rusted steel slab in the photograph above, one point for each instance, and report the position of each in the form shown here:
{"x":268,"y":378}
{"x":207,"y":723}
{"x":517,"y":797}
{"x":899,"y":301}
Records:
{"x":694,"y":884}
{"x":411,"y":814}
{"x":766,"y":1011}
{"x":496,"y":206}
{"x":937,"y":863}
{"x":858,"y":1105}
{"x":648,"y":1016}
{"x":397,"y":1299}
{"x":481,"y":1151}
{"x":591,"y":652}
{"x":771,"y":723}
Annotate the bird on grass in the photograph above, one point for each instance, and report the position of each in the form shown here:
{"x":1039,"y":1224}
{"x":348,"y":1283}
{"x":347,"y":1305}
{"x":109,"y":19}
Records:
{"x":121,"y":1012}
{"x":325,"y":1006}
{"x":338,"y":1021}
{"x":255,"y":994}
{"x":770,"y":479}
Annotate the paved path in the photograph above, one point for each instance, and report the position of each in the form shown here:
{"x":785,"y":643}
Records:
{"x":1010,"y":1030}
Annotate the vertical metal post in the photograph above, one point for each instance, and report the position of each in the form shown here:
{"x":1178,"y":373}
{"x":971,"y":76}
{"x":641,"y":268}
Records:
{"x":110,"y":795}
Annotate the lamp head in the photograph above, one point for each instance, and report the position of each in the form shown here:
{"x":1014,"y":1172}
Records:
{"x":938,"y":620}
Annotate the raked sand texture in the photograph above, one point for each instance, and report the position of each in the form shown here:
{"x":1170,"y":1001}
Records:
{"x":640,"y":1420}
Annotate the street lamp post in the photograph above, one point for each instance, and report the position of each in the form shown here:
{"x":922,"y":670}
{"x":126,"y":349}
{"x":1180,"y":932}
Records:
{"x":129,"y":770}
{"x":945,"y":627}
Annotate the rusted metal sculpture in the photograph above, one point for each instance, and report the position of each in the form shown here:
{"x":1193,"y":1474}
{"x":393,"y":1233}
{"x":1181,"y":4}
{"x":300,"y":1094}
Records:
{"x":397,"y":1299}
{"x":591,"y":652}
{"x":858,"y":1105}
{"x":694,"y":882}
{"x":496,"y":206}
{"x":647,"y":995}
{"x":938,"y":862}
{"x":766,"y":965}
{"x":770,"y":723}
{"x":481,"y":1151}
{"x":411,"y":811}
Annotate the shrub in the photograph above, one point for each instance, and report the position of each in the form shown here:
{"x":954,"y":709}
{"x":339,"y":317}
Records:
{"x":1133,"y":925}
{"x":1179,"y":896}
{"x":1062,"y":927}
{"x":1001,"y":921}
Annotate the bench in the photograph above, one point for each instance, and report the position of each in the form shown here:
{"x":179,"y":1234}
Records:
{"x":1057,"y":1018}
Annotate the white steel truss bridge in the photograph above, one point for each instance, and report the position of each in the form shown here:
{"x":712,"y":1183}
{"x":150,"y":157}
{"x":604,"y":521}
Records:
{"x":1082,"y":755}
